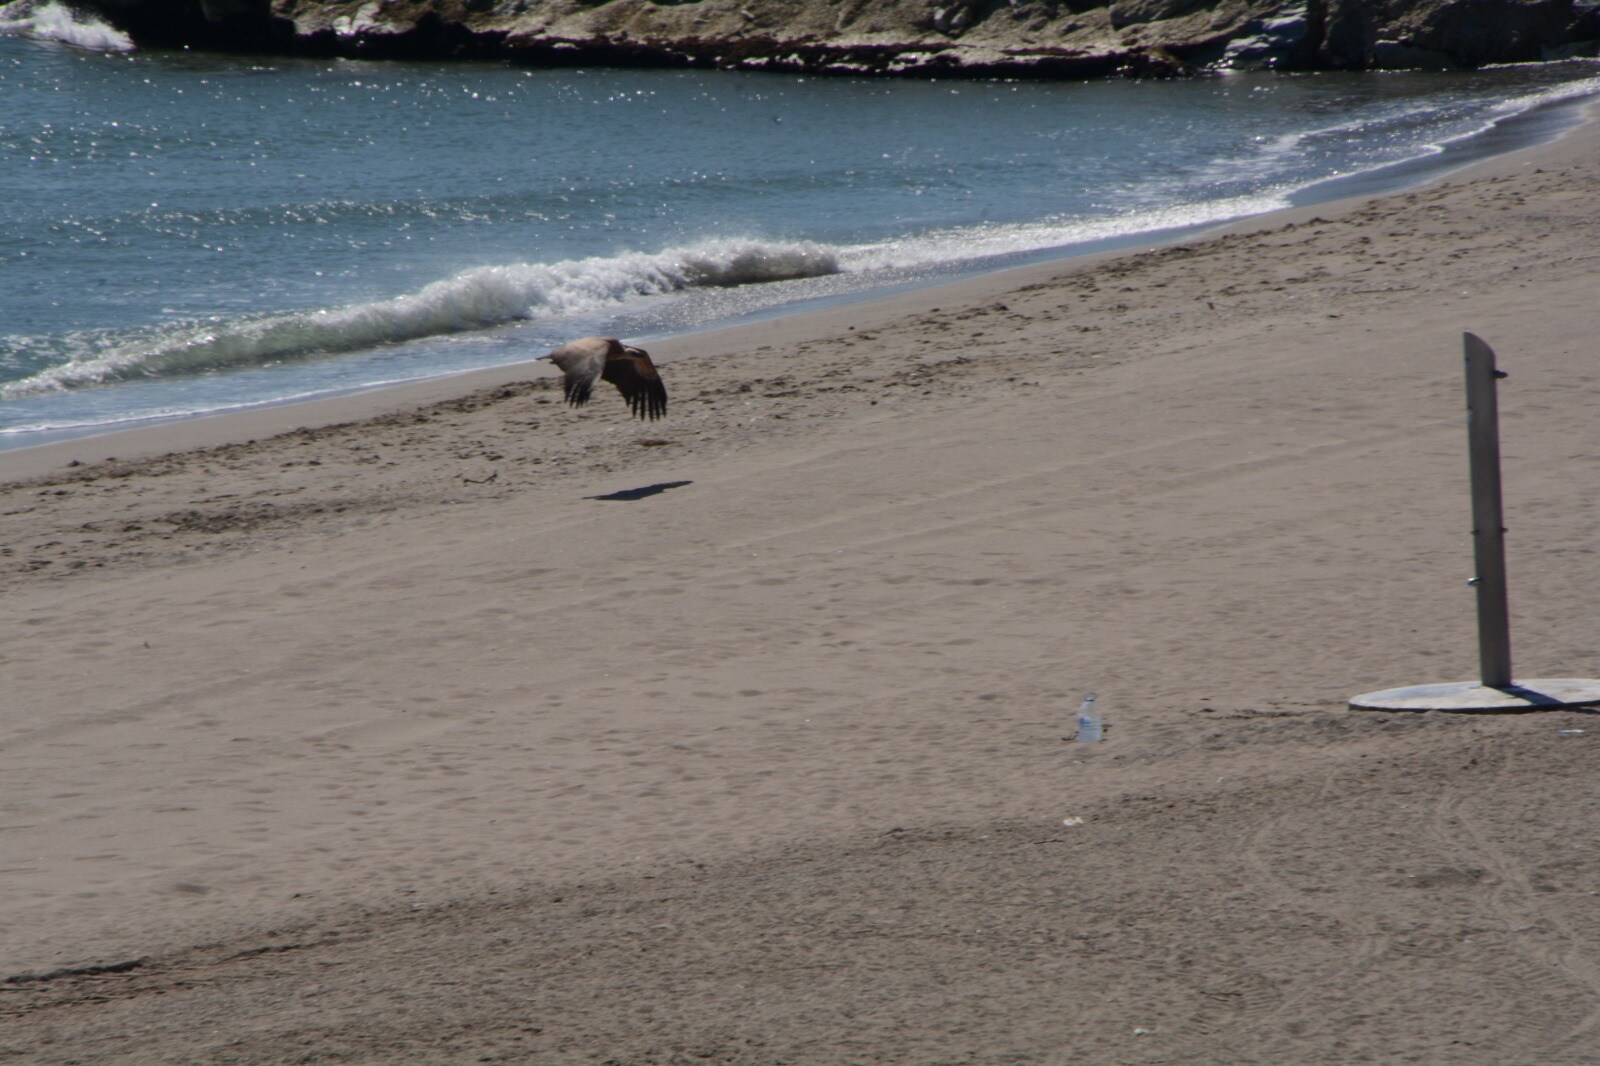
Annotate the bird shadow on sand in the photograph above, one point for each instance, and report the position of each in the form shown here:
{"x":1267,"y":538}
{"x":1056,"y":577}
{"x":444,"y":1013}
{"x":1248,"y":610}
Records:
{"x":641,"y":492}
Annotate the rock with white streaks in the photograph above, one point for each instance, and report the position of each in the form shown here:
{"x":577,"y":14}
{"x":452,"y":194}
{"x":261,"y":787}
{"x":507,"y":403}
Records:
{"x":923,"y":38}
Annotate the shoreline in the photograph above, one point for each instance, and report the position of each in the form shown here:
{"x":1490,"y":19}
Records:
{"x":269,"y":417}
{"x":488,"y":729}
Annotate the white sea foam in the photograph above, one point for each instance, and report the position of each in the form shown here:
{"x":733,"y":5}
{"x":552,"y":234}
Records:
{"x":52,"y":21}
{"x":476,"y":299}
{"x":491,"y":296}
{"x":1554,"y":94}
{"x":988,"y":242}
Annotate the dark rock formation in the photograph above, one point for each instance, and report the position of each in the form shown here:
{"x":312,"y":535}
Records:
{"x":927,"y":38}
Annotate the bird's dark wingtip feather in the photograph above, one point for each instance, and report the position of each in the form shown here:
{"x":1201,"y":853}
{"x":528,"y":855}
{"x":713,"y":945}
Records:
{"x":577,"y":395}
{"x":650,"y":404}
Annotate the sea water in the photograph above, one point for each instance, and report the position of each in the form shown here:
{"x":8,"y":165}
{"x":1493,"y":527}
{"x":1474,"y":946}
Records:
{"x":184,"y":233}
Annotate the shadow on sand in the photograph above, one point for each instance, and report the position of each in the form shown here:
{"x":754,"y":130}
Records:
{"x":641,"y":492}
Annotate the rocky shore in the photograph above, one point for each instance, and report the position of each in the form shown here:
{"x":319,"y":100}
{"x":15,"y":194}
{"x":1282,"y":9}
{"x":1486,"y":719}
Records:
{"x":923,"y":38}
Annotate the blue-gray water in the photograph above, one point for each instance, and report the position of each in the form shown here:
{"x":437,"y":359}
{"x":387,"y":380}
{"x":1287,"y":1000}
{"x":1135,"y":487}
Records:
{"x":184,"y":233}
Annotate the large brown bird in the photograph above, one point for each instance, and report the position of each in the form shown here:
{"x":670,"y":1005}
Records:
{"x":629,"y":369}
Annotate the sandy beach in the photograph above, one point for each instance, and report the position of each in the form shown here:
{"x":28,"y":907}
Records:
{"x":448,"y":724}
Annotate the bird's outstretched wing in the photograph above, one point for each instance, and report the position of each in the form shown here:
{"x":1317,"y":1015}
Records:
{"x":634,"y":375}
{"x":581,"y":363}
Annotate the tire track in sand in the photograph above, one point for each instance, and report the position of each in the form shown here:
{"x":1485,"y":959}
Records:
{"x":1537,"y":932}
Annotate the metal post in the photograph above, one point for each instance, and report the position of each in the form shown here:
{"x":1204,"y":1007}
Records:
{"x":1488,"y":532}
{"x":1496,"y":692}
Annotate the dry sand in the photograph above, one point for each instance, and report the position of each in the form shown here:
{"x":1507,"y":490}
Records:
{"x":486,"y":730}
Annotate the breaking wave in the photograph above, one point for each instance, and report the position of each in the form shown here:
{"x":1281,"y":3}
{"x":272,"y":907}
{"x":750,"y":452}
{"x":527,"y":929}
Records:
{"x":52,"y":21}
{"x":477,"y":299}
{"x":494,"y":296}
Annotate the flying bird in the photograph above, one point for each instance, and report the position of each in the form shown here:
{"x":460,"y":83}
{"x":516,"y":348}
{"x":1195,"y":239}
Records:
{"x":628,"y":368}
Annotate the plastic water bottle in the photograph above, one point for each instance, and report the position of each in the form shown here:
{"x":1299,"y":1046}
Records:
{"x":1089,"y":731}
